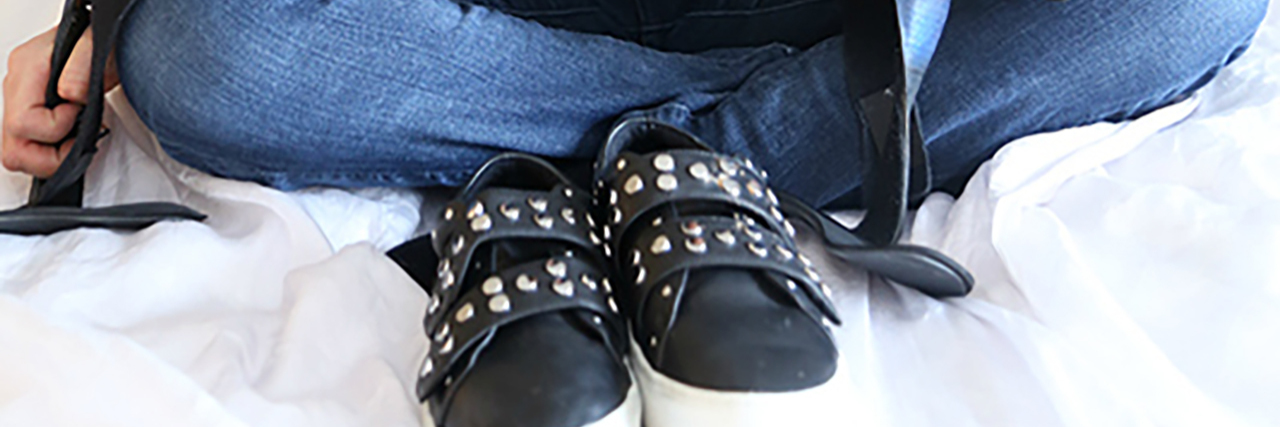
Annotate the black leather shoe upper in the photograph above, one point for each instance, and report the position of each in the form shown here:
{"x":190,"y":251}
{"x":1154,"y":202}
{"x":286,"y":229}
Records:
{"x":522,"y":326}
{"x":718,"y":294}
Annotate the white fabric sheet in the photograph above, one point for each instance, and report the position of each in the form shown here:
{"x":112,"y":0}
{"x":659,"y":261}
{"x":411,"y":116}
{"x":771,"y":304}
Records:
{"x":1127,"y":275}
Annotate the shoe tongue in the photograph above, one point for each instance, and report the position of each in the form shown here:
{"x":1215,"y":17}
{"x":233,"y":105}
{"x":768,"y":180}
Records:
{"x":514,"y":170}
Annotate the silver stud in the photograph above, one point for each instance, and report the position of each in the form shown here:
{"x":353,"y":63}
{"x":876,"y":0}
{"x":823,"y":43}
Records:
{"x":563,"y":287}
{"x":641,"y":275}
{"x":476,"y":210}
{"x":755,"y":189}
{"x":813,"y":274}
{"x":595,"y":240}
{"x":617,"y":216}
{"x":691,"y":228}
{"x":657,"y":222}
{"x":427,"y":367}
{"x":448,"y":381}
{"x":465,"y":313}
{"x":758,"y":250}
{"x":567,"y":214}
{"x":622,"y":164}
{"x":544,"y":221}
{"x":537,"y":203}
{"x":613,"y":306}
{"x":729,"y":166}
{"x":557,"y":268}
{"x":443,"y":333}
{"x":492,"y":285}
{"x":511,"y":212}
{"x":666,"y":291}
{"x":661,"y":245}
{"x":696,"y":245}
{"x":448,"y":214}
{"x":826,"y":290}
{"x":590,"y":221}
{"x":700,"y":171}
{"x":444,"y":267}
{"x":458,"y":244}
{"x":447,"y":347}
{"x":667,"y":182}
{"x":613,"y":198}
{"x":804,"y":260}
{"x":749,"y":164}
{"x":653,"y":341}
{"x":526,"y":283}
{"x":448,"y":280}
{"x":635,"y":257}
{"x":633,"y":185}
{"x":777,"y":214}
{"x":481,"y":223}
{"x":433,"y":305}
{"x":785,"y":253}
{"x":589,"y":282}
{"x":790,"y":229}
{"x":568,"y":193}
{"x":791,"y":284}
{"x":773,"y":198}
{"x":753,"y":233}
{"x":726,"y":237}
{"x":608,"y":288}
{"x":608,"y":232}
{"x":597,"y":320}
{"x":664,"y":162}
{"x":608,"y":253}
{"x":729,"y":185}
{"x":500,"y":303}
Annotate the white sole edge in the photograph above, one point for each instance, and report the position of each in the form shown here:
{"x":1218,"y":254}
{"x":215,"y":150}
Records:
{"x":670,"y":403}
{"x":625,"y":415}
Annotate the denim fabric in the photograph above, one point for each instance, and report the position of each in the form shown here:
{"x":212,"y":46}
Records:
{"x":421,"y":92}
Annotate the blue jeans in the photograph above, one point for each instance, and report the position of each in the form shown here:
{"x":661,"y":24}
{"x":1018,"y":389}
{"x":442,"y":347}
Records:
{"x":421,"y":92}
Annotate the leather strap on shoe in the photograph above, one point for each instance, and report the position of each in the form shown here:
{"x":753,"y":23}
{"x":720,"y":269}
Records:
{"x":729,"y":219}
{"x":461,"y":319}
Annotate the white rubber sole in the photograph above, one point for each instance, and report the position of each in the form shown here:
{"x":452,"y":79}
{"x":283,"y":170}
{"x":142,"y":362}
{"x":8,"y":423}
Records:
{"x":670,"y":403}
{"x":625,"y":415}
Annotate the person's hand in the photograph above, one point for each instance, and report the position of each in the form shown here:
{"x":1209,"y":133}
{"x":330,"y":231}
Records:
{"x":31,"y":130}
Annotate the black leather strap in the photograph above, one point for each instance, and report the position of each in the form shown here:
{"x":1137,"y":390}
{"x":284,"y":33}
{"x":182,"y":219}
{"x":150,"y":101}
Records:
{"x":53,"y":203}
{"x":470,"y":301}
{"x":645,"y":183}
{"x":729,"y":218}
{"x":556,"y":284}
{"x":672,"y":248}
{"x":504,"y":214}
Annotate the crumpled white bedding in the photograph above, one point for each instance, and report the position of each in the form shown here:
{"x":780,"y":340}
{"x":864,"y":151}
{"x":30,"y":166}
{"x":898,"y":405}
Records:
{"x":1127,"y":275}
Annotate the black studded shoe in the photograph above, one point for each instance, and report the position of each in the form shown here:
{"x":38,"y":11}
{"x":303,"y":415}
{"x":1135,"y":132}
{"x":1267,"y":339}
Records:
{"x":730,"y":323}
{"x":522,"y":327}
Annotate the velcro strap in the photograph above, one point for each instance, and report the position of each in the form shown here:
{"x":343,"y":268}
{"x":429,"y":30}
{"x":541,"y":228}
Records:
{"x":503,"y":214}
{"x":554,"y":284}
{"x":643,"y":183}
{"x":667,"y":250}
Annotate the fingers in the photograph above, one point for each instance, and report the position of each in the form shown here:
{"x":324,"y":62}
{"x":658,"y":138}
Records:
{"x":28,"y":126}
{"x":33,"y":158}
{"x":74,"y":84}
